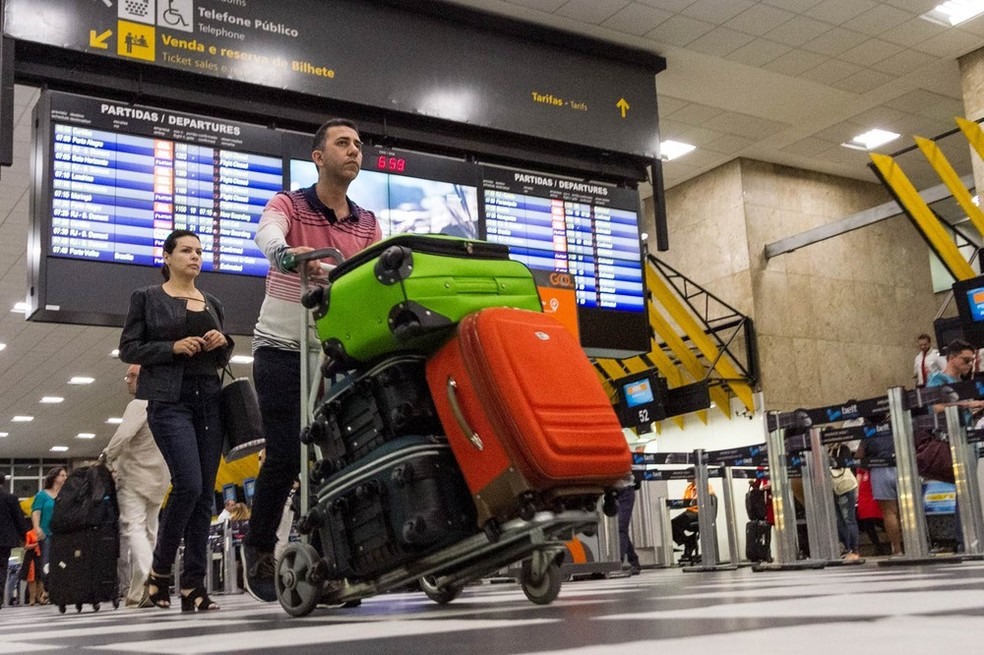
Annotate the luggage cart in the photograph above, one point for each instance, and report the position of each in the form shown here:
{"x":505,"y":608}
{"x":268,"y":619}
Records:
{"x":302,"y":583}
{"x":302,"y":575}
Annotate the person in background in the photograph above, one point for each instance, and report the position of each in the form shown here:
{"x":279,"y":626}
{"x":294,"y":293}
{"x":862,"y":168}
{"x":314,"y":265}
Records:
{"x":226,"y":512}
{"x":42,"y":509}
{"x":30,"y":571}
{"x":142,"y":481}
{"x":928,"y":360}
{"x":626,"y":502}
{"x":320,"y":216}
{"x":175,"y":332}
{"x":845,"y":486}
{"x":688,"y":521}
{"x":13,"y":525}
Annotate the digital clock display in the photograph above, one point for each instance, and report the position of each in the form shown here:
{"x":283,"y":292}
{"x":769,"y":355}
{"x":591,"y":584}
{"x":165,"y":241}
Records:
{"x":391,"y":164}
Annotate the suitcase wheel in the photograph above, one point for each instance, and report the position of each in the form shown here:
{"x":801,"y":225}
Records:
{"x":492,"y":530}
{"x":61,"y":608}
{"x":610,"y":506}
{"x":367,"y":490}
{"x":403,"y":475}
{"x":78,"y":607}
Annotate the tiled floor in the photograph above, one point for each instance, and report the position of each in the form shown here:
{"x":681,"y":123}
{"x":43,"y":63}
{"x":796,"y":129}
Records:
{"x":866,"y":609}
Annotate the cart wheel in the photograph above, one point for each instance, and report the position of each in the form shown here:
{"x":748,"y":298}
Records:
{"x":61,"y":608}
{"x":296,"y":593}
{"x":527,"y":510}
{"x":440,"y":595}
{"x":544,"y":590}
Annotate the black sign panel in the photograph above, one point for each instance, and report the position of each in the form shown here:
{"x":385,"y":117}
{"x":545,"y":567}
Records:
{"x":369,"y":54}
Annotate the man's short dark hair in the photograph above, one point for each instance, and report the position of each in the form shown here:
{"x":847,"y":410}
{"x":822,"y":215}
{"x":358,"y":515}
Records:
{"x":924,"y":336}
{"x":319,"y":137}
{"x":956,"y":347}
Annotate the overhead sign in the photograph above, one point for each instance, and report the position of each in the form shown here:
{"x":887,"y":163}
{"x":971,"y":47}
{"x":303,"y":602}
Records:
{"x":369,"y":54}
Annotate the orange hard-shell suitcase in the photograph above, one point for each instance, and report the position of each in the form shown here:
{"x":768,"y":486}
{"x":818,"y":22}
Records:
{"x":526,"y":415}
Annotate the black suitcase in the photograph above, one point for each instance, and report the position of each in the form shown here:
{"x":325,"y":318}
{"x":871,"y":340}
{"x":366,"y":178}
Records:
{"x":758,"y":541}
{"x":85,"y":541}
{"x":82,"y":567}
{"x":405,"y":500}
{"x":389,"y":400}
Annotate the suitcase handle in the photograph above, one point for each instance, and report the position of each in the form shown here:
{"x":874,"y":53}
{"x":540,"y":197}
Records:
{"x":452,"y":388}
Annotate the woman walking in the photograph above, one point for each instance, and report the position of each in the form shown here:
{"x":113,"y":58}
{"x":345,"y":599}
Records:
{"x":175,"y":332}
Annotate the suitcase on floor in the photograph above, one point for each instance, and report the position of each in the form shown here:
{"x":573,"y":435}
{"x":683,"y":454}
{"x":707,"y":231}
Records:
{"x":405,"y":500}
{"x":526,"y":415}
{"x":85,"y":541}
{"x":360,"y":414}
{"x":407,"y":292}
{"x":82,"y":567}
{"x":758,"y":541}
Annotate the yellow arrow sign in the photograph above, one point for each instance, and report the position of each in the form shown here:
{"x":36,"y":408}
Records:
{"x":623,"y":105}
{"x":99,"y":40}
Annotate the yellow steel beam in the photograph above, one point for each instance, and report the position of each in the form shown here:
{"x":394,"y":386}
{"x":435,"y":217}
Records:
{"x":939,"y":162}
{"x":974,"y":134}
{"x":683,"y":317}
{"x":927,"y":223}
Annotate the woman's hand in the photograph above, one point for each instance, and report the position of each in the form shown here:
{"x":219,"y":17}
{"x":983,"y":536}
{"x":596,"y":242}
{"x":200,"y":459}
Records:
{"x":214,"y":339}
{"x":189,"y":346}
{"x":39,"y":533}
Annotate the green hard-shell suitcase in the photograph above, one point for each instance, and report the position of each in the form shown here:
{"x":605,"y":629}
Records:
{"x":407,"y":292}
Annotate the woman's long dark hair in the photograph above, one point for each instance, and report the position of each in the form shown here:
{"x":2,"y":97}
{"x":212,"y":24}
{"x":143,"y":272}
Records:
{"x":170,"y":243}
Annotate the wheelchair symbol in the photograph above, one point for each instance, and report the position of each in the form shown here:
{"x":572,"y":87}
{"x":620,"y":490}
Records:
{"x":172,"y":16}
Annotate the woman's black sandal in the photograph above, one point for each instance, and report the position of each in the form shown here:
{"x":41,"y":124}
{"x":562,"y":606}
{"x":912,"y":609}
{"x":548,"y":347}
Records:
{"x":197,"y":600}
{"x":162,"y":583}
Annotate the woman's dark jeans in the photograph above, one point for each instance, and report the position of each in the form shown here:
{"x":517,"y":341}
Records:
{"x":189,"y":435}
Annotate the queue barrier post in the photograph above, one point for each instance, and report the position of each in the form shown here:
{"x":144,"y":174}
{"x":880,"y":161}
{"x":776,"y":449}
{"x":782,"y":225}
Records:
{"x":706,"y":520}
{"x":729,"y":514}
{"x":911,"y":512}
{"x":964,"y":458}
{"x":822,"y":525}
{"x":228,"y":560}
{"x":666,"y":532}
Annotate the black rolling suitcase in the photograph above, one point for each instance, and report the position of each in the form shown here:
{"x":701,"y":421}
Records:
{"x":405,"y":500}
{"x":85,"y":541}
{"x":387,"y":401}
{"x":758,"y":541}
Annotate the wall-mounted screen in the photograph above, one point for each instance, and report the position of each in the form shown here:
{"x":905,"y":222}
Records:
{"x":969,"y":296}
{"x":113,"y":179}
{"x":409,"y":191}
{"x":588,"y":234}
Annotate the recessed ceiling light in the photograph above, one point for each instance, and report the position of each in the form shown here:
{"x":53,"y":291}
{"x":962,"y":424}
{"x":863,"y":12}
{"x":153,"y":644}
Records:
{"x":22,"y":419}
{"x":4,"y":434}
{"x":59,"y":449}
{"x":114,"y":420}
{"x":954,"y":12}
{"x":669,"y":150}
{"x":240,"y":359}
{"x":81,"y":379}
{"x":2,"y":346}
{"x":115,"y":352}
{"x":871,"y":139}
{"x":19,"y":308}
{"x":52,"y":400}
{"x":85,"y":435}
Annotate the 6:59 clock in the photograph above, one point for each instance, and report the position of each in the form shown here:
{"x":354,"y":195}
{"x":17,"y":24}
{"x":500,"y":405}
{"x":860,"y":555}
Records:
{"x":391,"y":164}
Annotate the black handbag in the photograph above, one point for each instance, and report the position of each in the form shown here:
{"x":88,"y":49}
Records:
{"x":242,"y":425}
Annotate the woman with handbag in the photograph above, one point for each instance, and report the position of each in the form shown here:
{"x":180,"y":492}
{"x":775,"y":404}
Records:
{"x":175,"y":332}
{"x":846,"y":501}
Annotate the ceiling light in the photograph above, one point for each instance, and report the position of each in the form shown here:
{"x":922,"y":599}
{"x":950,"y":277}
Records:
{"x":19,"y":308}
{"x":85,"y":435}
{"x":115,"y":353}
{"x":954,"y":12}
{"x":871,"y":139}
{"x":59,"y":449}
{"x":22,"y":419}
{"x":4,"y":434}
{"x":240,"y":359}
{"x":2,"y":346}
{"x":52,"y":400}
{"x":114,"y":420}
{"x":81,"y":379}
{"x":669,"y":150}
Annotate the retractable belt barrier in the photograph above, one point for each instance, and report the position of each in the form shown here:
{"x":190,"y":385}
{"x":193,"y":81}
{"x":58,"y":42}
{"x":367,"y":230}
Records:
{"x":889,"y":415}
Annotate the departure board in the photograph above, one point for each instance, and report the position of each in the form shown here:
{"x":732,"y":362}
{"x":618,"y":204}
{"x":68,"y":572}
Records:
{"x":116,"y":196}
{"x":587,"y":230}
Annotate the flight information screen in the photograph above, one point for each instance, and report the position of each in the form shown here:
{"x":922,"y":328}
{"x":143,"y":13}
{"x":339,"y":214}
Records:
{"x":585,"y":229}
{"x":117,"y":193}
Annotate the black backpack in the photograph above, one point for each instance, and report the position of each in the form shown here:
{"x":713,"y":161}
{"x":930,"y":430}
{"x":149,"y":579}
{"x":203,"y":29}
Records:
{"x":755,"y":505}
{"x":86,"y":500}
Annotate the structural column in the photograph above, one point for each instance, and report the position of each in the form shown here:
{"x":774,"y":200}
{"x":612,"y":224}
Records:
{"x":972,"y":87}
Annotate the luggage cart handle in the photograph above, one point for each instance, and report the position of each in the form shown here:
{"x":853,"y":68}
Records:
{"x":323,"y":253}
{"x":452,"y":388}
